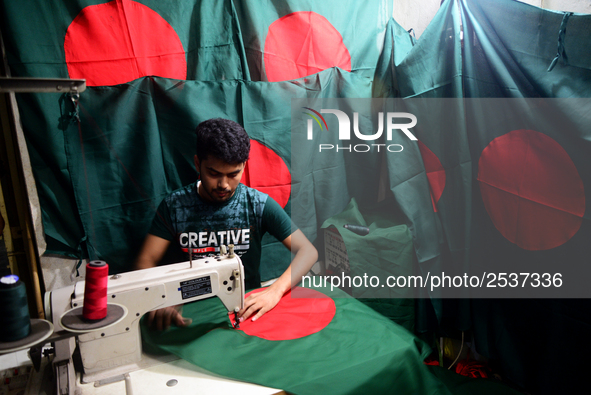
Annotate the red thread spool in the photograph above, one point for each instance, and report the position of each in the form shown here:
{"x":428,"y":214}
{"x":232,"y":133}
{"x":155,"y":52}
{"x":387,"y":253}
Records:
{"x":95,"y":291}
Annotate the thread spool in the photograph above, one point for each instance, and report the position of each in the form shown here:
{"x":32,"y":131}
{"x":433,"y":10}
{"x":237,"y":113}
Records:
{"x":95,"y":291}
{"x":358,"y":229}
{"x":15,"y":322}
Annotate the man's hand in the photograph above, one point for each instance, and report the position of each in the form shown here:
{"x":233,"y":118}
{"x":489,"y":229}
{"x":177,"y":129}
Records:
{"x":260,"y":302}
{"x":162,"y":318}
{"x":266,"y":300}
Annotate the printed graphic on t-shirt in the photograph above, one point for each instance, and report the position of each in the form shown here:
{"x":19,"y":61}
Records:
{"x":209,"y":241}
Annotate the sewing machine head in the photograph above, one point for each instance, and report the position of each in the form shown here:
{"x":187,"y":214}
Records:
{"x":117,"y":349}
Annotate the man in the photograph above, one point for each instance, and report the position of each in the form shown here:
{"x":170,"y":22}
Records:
{"x":219,"y":210}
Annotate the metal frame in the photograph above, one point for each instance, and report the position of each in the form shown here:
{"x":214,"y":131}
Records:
{"x":31,"y":85}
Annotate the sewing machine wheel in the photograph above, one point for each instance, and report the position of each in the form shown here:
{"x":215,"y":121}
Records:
{"x":74,"y":321}
{"x":40,"y":330}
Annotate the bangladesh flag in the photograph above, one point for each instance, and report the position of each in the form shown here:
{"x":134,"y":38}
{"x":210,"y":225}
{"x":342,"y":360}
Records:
{"x":286,"y":40}
{"x":513,"y":50}
{"x":354,"y":349}
{"x":113,"y":42}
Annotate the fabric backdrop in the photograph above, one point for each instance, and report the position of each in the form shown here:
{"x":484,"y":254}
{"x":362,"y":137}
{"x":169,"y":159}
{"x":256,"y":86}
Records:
{"x":97,"y":198}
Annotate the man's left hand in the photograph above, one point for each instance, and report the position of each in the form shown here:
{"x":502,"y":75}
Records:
{"x":260,"y":302}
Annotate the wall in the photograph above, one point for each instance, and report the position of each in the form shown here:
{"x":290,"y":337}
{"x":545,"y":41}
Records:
{"x":417,"y":14}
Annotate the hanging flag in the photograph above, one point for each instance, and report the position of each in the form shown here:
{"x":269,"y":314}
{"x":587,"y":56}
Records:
{"x":297,"y":38}
{"x":437,"y":214}
{"x":514,"y":50}
{"x":118,"y":41}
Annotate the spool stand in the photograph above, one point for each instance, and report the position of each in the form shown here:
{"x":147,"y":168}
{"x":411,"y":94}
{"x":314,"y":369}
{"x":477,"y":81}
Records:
{"x":71,"y":321}
{"x":74,"y":321}
{"x":40,"y":331}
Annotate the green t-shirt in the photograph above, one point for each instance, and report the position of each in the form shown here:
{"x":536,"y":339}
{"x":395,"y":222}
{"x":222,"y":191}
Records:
{"x":194,"y":223}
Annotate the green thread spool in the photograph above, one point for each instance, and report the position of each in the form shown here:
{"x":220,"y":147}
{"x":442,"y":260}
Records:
{"x":15,"y":322}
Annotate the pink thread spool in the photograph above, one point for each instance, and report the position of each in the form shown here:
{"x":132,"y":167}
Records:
{"x":95,"y":291}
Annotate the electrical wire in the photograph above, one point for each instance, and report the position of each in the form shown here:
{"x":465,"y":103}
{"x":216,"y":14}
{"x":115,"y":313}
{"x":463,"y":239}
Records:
{"x":459,"y":353}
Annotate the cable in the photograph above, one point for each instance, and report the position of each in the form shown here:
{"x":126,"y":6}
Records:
{"x":459,"y":353}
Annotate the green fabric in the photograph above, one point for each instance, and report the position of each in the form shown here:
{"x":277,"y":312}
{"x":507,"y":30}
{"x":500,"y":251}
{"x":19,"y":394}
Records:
{"x":46,"y":116}
{"x":508,"y":48}
{"x":386,"y":251}
{"x":427,"y":70}
{"x":397,"y":44}
{"x":511,"y":46}
{"x":359,"y":351}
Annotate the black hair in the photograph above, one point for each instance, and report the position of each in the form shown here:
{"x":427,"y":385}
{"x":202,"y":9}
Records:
{"x":223,"y":139}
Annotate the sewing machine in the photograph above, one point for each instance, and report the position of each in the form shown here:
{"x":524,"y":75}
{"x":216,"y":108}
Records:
{"x":109,"y":353}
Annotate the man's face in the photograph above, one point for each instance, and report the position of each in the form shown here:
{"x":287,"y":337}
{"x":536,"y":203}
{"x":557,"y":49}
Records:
{"x":219,"y":179}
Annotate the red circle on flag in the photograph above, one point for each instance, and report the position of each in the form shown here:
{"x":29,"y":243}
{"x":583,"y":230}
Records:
{"x":120,"y":41}
{"x":300,"y":312}
{"x":531,"y":190}
{"x":435,"y":173}
{"x":303,"y":43}
{"x":265,"y":171}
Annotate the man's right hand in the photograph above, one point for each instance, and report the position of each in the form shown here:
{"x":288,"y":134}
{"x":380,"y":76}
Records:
{"x":161,"y":319}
